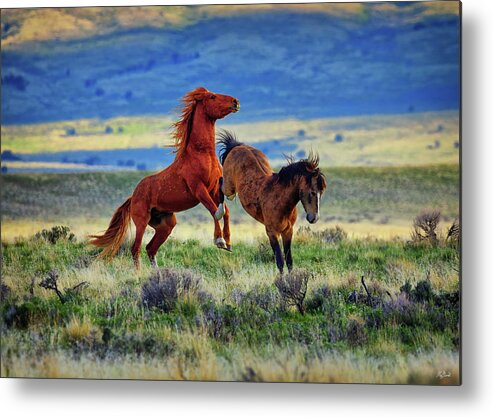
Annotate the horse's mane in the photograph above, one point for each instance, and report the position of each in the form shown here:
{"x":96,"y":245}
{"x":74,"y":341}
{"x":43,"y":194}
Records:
{"x":307,"y":167}
{"x":228,"y":141}
{"x":183,"y":127}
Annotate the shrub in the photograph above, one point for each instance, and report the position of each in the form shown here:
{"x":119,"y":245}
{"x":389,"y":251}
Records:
{"x":4,"y":292}
{"x":16,"y":81}
{"x":293,"y":287}
{"x":82,"y":262}
{"x":420,"y":293}
{"x":318,"y":299}
{"x":10,"y":156}
{"x":453,"y":232}
{"x":166,"y":285}
{"x":356,"y":333}
{"x":263,"y":297}
{"x":50,"y":282}
{"x":331,"y":235}
{"x":220,"y":321}
{"x":425,"y":227}
{"x":18,"y":316}
{"x":70,"y":131}
{"x":55,"y":234}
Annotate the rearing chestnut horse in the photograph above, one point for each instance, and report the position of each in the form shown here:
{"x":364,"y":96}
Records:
{"x":192,"y":178}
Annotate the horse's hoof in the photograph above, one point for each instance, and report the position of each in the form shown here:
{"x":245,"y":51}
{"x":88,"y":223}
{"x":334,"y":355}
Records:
{"x":220,"y":243}
{"x":226,"y":248}
{"x":220,"y":212}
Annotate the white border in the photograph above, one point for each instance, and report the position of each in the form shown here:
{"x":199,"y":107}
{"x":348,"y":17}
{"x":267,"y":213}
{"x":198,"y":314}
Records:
{"x":91,"y":398}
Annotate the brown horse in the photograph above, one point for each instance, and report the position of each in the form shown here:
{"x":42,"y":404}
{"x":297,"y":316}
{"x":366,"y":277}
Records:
{"x":268,"y":197}
{"x":191,"y":179}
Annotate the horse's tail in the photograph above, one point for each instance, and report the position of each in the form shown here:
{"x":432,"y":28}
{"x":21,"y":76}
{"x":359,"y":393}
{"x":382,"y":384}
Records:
{"x":112,"y":239}
{"x":228,"y":141}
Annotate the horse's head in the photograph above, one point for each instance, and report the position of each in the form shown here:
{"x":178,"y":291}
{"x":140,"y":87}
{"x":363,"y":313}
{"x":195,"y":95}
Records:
{"x":216,"y":106}
{"x":312,"y":187}
{"x":310,"y":181}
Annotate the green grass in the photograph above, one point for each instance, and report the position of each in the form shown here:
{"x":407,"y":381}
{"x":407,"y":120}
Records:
{"x":240,"y":329}
{"x":236,"y":326}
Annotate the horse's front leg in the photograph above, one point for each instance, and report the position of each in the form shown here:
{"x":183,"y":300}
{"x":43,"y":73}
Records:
{"x":223,"y":212}
{"x":221,"y":209}
{"x":202,"y":194}
{"x":287,"y":237}
{"x":274,"y":243}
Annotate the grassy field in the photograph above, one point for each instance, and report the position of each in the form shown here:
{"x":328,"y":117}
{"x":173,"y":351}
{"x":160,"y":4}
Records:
{"x":378,"y":201}
{"x":395,"y":140}
{"x":233,"y":324}
{"x":214,"y":315}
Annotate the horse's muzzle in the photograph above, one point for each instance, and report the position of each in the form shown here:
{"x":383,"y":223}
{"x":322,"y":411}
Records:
{"x":236,"y":105}
{"x":312,"y":218}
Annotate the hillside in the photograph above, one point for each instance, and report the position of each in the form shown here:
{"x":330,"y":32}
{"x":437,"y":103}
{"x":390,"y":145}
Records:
{"x":388,"y":140}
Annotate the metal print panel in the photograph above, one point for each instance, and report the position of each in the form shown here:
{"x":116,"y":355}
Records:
{"x":265,"y":193}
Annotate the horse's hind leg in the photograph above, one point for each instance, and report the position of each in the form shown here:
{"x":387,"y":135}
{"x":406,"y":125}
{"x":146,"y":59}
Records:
{"x":226,"y":230}
{"x":140,"y":228}
{"x":140,"y":217}
{"x":228,"y":188}
{"x":163,"y":230}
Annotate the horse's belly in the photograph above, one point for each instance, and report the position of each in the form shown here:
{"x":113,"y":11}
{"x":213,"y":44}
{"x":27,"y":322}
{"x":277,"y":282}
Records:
{"x":177,"y":202}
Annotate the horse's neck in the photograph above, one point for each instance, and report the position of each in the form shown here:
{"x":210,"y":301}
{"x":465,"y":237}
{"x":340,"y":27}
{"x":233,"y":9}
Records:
{"x":202,"y":135}
{"x":289,"y":195}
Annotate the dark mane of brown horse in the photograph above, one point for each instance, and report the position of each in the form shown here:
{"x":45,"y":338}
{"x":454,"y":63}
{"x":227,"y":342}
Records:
{"x":307,"y":167}
{"x":183,"y":127}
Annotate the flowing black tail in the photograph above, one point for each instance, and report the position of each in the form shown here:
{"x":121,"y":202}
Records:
{"x":228,"y":141}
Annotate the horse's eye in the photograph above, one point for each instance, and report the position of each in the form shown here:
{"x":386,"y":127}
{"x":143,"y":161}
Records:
{"x":213,"y":97}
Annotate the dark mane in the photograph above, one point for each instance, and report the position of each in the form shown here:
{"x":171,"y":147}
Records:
{"x":307,"y":167}
{"x":228,"y":141}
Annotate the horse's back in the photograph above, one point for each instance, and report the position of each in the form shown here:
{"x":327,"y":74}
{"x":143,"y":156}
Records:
{"x":249,"y":160}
